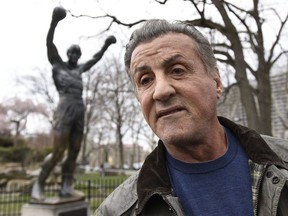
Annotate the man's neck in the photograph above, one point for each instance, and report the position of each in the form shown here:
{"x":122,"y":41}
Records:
{"x":201,"y":151}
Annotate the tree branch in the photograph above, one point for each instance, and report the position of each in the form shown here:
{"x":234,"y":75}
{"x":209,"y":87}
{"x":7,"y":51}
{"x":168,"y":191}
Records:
{"x":114,"y":19}
{"x":251,"y":35}
{"x":208,"y":24}
{"x":278,"y":36}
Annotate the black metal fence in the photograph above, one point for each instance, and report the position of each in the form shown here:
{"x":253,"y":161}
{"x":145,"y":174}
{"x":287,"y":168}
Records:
{"x":12,"y":199}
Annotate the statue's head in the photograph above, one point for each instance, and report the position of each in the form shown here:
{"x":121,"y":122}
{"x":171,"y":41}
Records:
{"x":74,"y":53}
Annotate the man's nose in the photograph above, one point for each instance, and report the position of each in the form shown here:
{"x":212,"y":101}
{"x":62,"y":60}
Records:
{"x":164,"y":88}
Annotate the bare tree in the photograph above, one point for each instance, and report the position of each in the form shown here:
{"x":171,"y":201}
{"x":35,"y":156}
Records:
{"x":41,"y":89}
{"x":118,"y":101}
{"x":16,"y":113}
{"x":93,"y":108}
{"x":5,"y":128}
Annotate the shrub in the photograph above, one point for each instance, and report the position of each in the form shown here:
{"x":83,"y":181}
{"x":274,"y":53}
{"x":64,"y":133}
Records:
{"x":14,"y":154}
{"x":6,"y":141}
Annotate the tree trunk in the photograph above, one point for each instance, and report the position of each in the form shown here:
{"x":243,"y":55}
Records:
{"x":265,"y":102}
{"x":246,"y":92}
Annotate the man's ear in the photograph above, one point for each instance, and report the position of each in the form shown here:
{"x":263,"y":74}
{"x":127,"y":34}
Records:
{"x":219,"y":86}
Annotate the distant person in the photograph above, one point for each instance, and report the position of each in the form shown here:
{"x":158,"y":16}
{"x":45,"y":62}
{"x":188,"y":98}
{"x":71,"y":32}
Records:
{"x":203,"y":164}
{"x":69,"y":116}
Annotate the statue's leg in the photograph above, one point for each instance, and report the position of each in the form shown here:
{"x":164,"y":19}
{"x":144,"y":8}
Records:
{"x":60,"y":142}
{"x":69,"y":165}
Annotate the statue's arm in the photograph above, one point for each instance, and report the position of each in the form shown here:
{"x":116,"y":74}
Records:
{"x":59,"y":13}
{"x":86,"y":66}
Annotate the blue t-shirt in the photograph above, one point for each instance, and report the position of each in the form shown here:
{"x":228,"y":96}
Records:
{"x":221,"y":187}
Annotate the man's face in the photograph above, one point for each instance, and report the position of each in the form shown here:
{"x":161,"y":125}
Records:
{"x":177,"y":95}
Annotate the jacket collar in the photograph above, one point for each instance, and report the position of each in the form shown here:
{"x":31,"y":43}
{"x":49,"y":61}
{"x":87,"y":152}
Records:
{"x":255,"y":146}
{"x":153,"y":177}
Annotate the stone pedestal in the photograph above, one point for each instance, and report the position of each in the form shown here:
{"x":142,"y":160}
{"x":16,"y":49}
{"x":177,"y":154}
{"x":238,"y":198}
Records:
{"x":56,"y":207}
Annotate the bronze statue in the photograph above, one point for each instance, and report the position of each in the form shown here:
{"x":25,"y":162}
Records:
{"x":69,"y":115}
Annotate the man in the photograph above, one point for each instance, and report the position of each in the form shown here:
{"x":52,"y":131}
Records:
{"x":203,"y":164}
{"x":69,"y":116}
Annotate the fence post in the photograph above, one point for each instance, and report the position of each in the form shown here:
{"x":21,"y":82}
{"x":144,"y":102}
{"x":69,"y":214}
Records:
{"x":89,"y":189}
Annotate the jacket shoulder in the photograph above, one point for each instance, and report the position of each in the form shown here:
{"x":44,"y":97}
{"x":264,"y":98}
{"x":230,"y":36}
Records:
{"x":279,"y":146}
{"x":121,"y":199}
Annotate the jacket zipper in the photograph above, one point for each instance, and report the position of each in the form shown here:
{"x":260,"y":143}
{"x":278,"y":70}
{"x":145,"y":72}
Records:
{"x":258,"y":189}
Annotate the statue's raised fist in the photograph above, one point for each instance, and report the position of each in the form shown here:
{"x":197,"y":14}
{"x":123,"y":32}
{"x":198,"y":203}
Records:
{"x":59,"y":13}
{"x":111,"y":39}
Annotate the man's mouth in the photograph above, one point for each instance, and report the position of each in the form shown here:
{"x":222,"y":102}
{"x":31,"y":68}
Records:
{"x":169,"y":111}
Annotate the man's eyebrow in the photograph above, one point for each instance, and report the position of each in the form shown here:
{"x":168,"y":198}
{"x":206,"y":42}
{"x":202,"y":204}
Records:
{"x":170,"y":60}
{"x":142,"y":68}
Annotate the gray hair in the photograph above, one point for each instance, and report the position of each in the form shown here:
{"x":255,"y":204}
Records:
{"x":157,"y":27}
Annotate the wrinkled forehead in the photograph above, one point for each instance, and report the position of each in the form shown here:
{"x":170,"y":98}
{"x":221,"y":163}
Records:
{"x":172,"y":44}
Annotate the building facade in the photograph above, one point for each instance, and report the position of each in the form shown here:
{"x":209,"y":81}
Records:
{"x":230,"y":105}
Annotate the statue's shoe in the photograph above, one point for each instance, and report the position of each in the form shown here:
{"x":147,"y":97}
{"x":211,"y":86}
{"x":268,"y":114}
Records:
{"x":37,"y":191}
